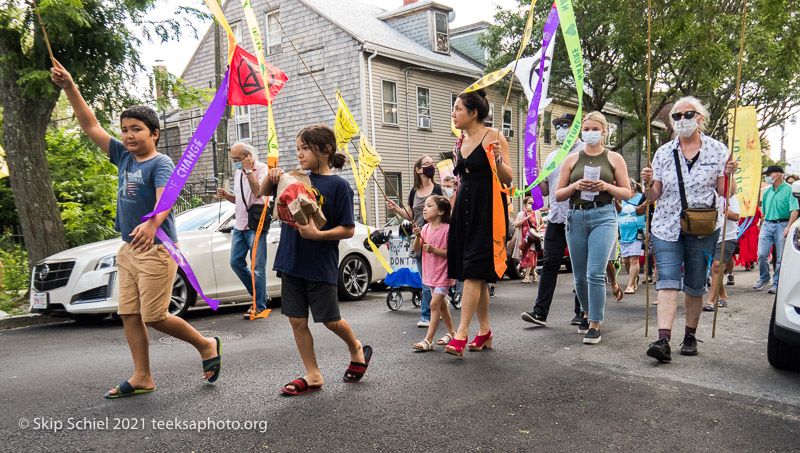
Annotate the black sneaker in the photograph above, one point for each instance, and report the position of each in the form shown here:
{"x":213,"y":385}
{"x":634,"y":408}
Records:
{"x":689,"y":345}
{"x":583,"y":327}
{"x":730,"y":280}
{"x":576,"y":321}
{"x":534,"y":318}
{"x":592,"y":336}
{"x":660,"y":350}
{"x":491,"y":291}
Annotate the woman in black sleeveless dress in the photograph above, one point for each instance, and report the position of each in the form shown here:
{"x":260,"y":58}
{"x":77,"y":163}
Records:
{"x":470,"y":255}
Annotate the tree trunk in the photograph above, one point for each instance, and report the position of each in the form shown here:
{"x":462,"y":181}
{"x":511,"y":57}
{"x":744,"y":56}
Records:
{"x":25,"y":123}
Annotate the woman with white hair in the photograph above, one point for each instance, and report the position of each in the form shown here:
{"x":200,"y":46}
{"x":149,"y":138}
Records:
{"x":688,"y":177}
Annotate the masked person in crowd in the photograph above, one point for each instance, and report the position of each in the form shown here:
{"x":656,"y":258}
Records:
{"x":688,"y":183}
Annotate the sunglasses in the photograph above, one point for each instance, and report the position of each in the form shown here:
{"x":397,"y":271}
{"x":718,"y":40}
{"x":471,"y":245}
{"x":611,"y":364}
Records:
{"x":689,"y":114}
{"x":561,"y":126}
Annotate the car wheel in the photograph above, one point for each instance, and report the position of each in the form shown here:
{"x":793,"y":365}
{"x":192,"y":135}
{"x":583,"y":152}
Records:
{"x":89,"y":319}
{"x":779,"y":353}
{"x":183,"y":295}
{"x":354,"y":277}
{"x":394,"y":299}
{"x":512,"y":269}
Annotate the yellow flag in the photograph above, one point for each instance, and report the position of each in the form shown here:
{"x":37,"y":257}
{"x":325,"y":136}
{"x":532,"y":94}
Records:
{"x":746,"y":146}
{"x":3,"y":164}
{"x":345,"y":126}
{"x":368,"y":160}
{"x":215,"y":9}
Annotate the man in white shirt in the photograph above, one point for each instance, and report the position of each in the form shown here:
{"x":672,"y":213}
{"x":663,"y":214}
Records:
{"x":555,"y":238}
{"x":246,"y":195}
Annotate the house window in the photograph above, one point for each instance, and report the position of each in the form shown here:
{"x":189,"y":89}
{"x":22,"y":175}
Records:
{"x":241,"y":116}
{"x":423,"y":108}
{"x":237,"y":32}
{"x":547,"y":128}
{"x":453,"y":99}
{"x":442,"y":43}
{"x":273,"y":33}
{"x":489,"y":121}
{"x":195,"y":115}
{"x":392,"y":180}
{"x":389,"y":97}
{"x":508,"y":129}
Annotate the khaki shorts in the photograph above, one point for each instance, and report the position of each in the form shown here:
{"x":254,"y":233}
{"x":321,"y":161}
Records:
{"x":145,"y":282}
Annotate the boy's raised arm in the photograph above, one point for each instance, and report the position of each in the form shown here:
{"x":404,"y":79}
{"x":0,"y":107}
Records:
{"x":83,"y":113}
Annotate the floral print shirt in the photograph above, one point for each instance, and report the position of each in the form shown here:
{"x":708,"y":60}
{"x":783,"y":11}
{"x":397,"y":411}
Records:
{"x":700,"y":184}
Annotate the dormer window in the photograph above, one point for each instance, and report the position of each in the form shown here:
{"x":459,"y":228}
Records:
{"x":442,"y":33}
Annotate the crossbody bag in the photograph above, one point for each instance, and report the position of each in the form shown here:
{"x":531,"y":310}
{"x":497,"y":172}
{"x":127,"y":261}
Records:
{"x":694,"y":221}
{"x":253,"y":211}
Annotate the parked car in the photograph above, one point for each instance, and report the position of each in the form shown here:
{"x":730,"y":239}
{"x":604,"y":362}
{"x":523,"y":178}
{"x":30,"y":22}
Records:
{"x":783,"y":341}
{"x":82,"y":282}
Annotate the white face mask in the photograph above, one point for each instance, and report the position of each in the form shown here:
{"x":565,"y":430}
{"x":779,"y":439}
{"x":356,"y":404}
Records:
{"x":770,"y":180}
{"x":448,"y":191}
{"x":686,"y":127}
{"x":592,"y":137}
{"x":561,"y":134}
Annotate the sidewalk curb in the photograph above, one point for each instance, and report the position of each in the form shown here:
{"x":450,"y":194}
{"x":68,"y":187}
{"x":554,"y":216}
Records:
{"x":15,"y":322}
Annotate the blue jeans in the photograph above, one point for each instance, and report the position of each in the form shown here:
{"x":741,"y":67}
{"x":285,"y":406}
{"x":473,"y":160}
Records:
{"x":771,"y":234}
{"x":425,"y":309}
{"x":241,"y":249}
{"x":591,"y":235}
{"x":685,"y":260}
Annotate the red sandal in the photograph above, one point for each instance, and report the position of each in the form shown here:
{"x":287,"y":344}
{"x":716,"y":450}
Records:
{"x":481,"y":341}
{"x":456,"y":347}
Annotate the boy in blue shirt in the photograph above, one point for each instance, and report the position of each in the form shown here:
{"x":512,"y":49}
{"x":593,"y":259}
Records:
{"x":146,"y":269}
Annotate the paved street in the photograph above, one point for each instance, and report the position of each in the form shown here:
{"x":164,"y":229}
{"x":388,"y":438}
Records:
{"x":539,"y":389}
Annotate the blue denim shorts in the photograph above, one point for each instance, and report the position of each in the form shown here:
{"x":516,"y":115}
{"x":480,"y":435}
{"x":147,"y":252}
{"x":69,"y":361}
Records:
{"x":686,"y":260}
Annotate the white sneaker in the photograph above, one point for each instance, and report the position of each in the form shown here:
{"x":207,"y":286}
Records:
{"x":423,"y":323}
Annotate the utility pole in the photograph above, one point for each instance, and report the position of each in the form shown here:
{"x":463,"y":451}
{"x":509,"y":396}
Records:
{"x":220,"y":63}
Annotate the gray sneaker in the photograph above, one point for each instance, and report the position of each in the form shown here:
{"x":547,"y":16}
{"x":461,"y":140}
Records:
{"x":760,"y":285}
{"x":773,"y":290}
{"x":592,"y":337}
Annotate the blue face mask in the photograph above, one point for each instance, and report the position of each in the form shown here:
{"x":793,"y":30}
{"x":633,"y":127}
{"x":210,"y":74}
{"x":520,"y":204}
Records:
{"x":770,"y":180}
{"x":237,"y":165}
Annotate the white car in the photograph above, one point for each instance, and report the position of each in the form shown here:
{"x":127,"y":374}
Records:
{"x":783,"y":342}
{"x":82,"y":282}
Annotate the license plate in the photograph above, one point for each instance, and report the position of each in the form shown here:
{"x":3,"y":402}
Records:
{"x":40,"y":300}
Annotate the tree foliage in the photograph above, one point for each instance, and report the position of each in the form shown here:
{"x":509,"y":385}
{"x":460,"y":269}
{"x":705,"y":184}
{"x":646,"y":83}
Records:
{"x":695,"y":51}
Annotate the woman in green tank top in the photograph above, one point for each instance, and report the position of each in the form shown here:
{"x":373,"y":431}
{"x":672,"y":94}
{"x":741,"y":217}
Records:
{"x":588,"y":180}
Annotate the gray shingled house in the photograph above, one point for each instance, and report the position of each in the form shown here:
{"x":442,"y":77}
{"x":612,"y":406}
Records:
{"x":399,"y":72}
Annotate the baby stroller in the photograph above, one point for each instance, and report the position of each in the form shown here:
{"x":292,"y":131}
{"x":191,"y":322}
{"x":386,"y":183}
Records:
{"x":405,"y":277}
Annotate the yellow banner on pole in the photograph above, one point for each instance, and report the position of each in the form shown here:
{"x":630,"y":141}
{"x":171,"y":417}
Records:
{"x":746,"y":148}
{"x":345,"y":129}
{"x":215,"y":9}
{"x":345,"y":126}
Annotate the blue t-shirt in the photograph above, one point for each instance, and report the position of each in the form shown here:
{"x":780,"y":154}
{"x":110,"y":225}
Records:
{"x":317,"y":260}
{"x":136,"y":190}
{"x":629,"y":222}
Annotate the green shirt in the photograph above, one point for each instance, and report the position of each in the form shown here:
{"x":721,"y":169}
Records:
{"x":779,"y":203}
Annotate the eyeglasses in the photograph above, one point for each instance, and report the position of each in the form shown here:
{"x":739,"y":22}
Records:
{"x":561,"y":126}
{"x":426,"y":164}
{"x":689,"y":114}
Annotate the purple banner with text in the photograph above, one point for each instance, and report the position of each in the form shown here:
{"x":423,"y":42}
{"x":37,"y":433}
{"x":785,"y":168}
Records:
{"x":183,"y":264}
{"x":532,"y":123}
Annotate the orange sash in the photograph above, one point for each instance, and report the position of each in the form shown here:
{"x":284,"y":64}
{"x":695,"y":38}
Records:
{"x":498,"y":218}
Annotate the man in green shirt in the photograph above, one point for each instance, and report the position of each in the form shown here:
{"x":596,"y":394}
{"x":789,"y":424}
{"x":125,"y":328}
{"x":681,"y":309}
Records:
{"x":780,"y":211}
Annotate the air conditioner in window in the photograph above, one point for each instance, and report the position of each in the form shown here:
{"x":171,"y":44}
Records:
{"x":442,"y":43}
{"x":424,"y":123}
{"x":508,"y":133}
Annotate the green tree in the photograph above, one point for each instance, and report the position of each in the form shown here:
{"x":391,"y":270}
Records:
{"x":98,"y":42}
{"x":695,"y":49}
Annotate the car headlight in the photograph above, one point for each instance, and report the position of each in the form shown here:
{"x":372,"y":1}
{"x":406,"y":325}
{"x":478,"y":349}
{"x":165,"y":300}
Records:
{"x":106,"y":261}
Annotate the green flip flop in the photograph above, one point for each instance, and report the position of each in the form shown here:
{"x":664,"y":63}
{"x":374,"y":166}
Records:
{"x":215,"y":363}
{"x":126,"y":389}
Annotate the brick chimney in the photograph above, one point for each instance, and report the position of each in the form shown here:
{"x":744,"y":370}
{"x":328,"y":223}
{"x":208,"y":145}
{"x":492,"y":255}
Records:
{"x":408,"y":2}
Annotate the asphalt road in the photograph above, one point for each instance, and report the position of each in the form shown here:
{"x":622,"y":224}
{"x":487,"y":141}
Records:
{"x":538,"y":389}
